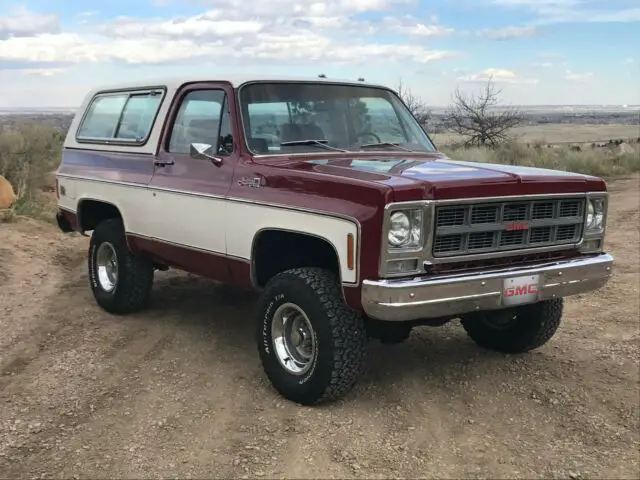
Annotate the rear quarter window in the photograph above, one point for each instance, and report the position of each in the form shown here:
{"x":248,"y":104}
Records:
{"x":120,"y":117}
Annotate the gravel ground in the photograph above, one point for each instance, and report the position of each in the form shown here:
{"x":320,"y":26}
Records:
{"x":178,"y":391}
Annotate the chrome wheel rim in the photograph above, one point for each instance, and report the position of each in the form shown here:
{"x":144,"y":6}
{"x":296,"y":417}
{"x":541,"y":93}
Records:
{"x":293,"y":339}
{"x":107,"y":266}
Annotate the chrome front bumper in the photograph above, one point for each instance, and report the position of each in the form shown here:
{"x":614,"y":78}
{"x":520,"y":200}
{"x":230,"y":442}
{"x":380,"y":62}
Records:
{"x":443,"y":296}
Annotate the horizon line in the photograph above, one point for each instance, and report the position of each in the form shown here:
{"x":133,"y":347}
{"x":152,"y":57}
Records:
{"x":621,"y":105}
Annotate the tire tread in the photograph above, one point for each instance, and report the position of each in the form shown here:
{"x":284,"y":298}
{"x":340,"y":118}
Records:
{"x":534,"y":327}
{"x":135,"y":273}
{"x":346,"y":326}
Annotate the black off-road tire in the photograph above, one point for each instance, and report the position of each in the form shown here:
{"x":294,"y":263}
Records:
{"x":338,"y":331}
{"x":533,"y":326}
{"x":132,"y":291}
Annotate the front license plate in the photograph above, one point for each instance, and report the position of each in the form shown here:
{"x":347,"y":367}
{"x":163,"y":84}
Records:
{"x":520,"y":290}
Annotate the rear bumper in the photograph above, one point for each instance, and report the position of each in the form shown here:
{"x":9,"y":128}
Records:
{"x":446,"y":296}
{"x":63,"y":222}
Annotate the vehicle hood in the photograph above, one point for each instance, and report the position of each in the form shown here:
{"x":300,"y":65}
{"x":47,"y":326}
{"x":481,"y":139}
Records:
{"x":438,"y":177}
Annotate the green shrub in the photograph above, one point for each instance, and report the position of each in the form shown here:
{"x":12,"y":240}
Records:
{"x":28,"y":153}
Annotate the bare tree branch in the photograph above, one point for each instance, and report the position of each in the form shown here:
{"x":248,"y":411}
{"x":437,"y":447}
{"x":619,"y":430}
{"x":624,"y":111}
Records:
{"x":473,"y":117}
{"x":415,"y":104}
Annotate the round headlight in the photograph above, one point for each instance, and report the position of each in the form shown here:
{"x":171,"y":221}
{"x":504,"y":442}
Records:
{"x":590,"y":214}
{"x":400,"y":229}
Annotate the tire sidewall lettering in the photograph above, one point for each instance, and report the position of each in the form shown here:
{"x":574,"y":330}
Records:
{"x":266,"y":322}
{"x":92,"y":267}
{"x":309,"y":375}
{"x":267,"y":319}
{"x":93,"y":270}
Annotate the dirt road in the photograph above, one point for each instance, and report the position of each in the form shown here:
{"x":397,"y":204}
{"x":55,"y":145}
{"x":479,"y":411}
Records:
{"x":178,"y":391}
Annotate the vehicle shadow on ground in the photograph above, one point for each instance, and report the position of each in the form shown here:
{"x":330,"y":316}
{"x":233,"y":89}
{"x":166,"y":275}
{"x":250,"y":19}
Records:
{"x":444,"y":355}
{"x":203,"y":306}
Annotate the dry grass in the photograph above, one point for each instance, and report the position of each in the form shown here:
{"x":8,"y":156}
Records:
{"x":557,"y":133}
{"x":601,"y":162}
{"x":29,"y":152}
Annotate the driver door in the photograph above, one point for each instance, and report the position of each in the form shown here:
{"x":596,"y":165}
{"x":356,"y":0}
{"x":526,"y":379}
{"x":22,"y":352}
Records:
{"x":192,"y":177}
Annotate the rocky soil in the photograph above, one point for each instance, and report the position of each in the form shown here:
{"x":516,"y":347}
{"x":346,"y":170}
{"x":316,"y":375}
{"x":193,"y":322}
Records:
{"x":178,"y":390}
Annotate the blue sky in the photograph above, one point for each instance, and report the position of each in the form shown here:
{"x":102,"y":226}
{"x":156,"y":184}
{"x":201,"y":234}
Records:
{"x":537,"y":51}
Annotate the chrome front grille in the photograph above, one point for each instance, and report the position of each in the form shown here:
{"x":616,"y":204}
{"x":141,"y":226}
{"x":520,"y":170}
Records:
{"x":487,"y":227}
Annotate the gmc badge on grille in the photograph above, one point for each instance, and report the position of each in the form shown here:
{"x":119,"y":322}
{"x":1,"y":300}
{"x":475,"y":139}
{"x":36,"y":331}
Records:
{"x":516,"y":226}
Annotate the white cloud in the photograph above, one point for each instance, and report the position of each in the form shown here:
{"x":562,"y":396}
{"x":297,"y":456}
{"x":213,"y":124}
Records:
{"x":541,"y":7}
{"x":20,"y":22}
{"x":410,"y":25}
{"x":538,"y":3}
{"x":506,"y":33}
{"x":210,"y":24}
{"x":578,"y":77}
{"x":497,"y":75}
{"x":70,"y":48}
{"x":594,"y":16}
{"x":299,"y":8}
{"x":42,"y":72}
{"x":576,"y":11}
{"x":550,"y":54}
{"x":312,"y":33}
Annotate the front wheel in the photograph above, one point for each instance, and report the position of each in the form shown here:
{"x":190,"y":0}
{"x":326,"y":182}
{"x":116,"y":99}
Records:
{"x":515,"y":330}
{"x":121,"y":281}
{"x":311,"y":344}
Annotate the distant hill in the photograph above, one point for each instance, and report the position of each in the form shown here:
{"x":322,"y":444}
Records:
{"x":538,"y":115}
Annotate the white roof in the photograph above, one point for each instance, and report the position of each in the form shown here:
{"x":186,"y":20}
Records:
{"x":173,"y":83}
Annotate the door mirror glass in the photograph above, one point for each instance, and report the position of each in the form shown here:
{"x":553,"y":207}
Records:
{"x":203,"y":151}
{"x":200,"y":150}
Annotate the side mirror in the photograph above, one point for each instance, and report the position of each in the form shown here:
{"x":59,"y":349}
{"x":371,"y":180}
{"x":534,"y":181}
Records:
{"x":203,"y":151}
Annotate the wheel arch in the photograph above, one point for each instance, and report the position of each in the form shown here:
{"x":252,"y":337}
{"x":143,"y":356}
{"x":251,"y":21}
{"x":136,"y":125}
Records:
{"x":92,"y":210}
{"x":259,"y":277}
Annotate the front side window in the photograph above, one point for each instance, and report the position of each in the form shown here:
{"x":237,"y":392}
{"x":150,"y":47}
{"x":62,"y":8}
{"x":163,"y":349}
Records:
{"x":307,"y":117}
{"x":203,"y":117}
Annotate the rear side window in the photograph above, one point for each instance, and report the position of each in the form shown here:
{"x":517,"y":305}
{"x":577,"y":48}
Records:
{"x":120,"y":117}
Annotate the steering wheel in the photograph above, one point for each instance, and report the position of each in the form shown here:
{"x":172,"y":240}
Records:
{"x":364,"y":134}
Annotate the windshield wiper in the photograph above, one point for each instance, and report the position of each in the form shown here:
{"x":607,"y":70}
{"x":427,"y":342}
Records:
{"x":322,"y":143}
{"x":386,"y":144}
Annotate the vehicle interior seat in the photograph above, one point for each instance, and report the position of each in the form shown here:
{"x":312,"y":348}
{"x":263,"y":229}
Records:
{"x":258,"y":144}
{"x":301,"y":131}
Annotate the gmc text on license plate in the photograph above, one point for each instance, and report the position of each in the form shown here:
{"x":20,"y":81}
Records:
{"x":520,"y":290}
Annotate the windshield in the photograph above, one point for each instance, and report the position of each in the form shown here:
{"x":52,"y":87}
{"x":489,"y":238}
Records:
{"x":315,"y":117}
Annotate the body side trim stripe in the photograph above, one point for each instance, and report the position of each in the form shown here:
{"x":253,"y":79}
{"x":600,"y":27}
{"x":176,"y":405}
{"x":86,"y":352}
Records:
{"x":219,"y":197}
{"x":187,"y":247}
{"x":211,"y":252}
{"x":145,"y":187}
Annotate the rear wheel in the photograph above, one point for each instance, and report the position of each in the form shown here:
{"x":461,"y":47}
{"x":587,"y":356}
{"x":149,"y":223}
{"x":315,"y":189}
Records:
{"x":121,"y":281}
{"x":311,"y":344}
{"x":515,"y":330}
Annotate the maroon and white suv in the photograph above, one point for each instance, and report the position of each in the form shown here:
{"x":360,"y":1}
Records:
{"x":329,"y":198}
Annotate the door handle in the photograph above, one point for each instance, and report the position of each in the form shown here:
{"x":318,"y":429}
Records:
{"x":162,"y":163}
